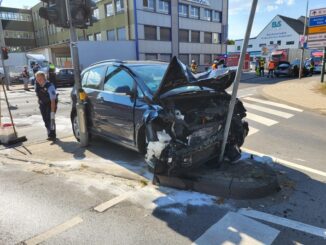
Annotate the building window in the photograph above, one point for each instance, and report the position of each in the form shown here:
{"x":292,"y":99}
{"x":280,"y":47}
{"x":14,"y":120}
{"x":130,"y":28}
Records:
{"x":184,"y":36}
{"x":279,"y":42}
{"x":262,"y":44}
{"x":150,"y":32}
{"x":207,"y":59}
{"x":249,"y":46}
{"x":207,"y":37}
{"x":109,"y":9}
{"x":194,"y":12}
{"x":119,"y":5}
{"x":216,"y":38}
{"x":96,"y":13}
{"x":121,"y":33}
{"x":165,"y":34}
{"x":183,"y":10}
{"x":150,"y":56}
{"x":290,"y":43}
{"x":217,"y":16}
{"x":149,"y":4}
{"x":196,"y":58}
{"x":195,"y":36}
{"x":238,"y":48}
{"x":98,"y":36}
{"x":166,"y":57}
{"x":111,"y":35}
{"x":207,"y":15}
{"x":163,"y":6}
{"x":90,"y":37}
{"x":184,"y":58}
{"x":271,"y":42}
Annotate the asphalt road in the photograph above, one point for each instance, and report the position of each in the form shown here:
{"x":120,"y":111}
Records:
{"x":58,"y":204}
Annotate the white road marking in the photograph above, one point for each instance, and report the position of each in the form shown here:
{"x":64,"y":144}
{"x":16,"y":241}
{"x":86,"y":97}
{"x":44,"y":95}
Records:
{"x":114,"y":201}
{"x":268,"y":110}
{"x":54,"y":231}
{"x":234,"y":228}
{"x":313,"y":230}
{"x":266,"y":102}
{"x":287,"y":163}
{"x":262,"y":120}
{"x":244,"y":95}
{"x":252,"y":130}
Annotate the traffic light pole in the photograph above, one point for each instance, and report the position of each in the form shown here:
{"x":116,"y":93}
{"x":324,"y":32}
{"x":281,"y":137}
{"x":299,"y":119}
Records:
{"x":237,"y":78}
{"x":323,"y":66}
{"x":2,"y":43}
{"x":80,"y":107}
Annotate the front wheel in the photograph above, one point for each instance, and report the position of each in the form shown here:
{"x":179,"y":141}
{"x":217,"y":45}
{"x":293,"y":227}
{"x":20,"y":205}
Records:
{"x":75,"y":127}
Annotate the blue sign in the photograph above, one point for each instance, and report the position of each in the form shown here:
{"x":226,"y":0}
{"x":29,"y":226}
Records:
{"x":317,"y":21}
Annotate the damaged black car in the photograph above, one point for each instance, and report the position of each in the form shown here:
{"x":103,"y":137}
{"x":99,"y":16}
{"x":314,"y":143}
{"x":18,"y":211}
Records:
{"x":163,"y":110}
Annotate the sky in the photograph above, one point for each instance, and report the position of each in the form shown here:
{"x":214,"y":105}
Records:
{"x":238,"y":12}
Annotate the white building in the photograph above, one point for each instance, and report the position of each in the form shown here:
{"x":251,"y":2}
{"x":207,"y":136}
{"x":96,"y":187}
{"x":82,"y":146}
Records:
{"x":281,"y":33}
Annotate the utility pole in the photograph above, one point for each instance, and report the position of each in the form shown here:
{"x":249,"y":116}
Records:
{"x":323,"y":67}
{"x":237,"y":78}
{"x":80,"y":107}
{"x":304,"y":39}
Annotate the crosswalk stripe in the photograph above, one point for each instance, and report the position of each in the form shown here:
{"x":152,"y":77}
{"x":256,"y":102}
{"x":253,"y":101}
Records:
{"x":252,"y":130}
{"x":262,"y":120}
{"x":238,"y":229}
{"x":268,"y":110}
{"x":266,"y":102}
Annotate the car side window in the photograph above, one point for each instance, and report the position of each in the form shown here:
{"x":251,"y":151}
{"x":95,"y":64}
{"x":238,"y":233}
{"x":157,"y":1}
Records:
{"x":140,"y":93}
{"x":119,"y":82}
{"x":95,"y":77}
{"x":84,"y":79}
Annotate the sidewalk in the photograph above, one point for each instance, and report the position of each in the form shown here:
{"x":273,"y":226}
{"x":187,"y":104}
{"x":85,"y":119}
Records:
{"x":305,"y":93}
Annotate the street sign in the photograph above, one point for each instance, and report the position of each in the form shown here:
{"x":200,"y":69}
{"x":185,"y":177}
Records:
{"x":317,"y":44}
{"x":317,"y":12}
{"x":317,"y":37}
{"x":317,"y":29}
{"x":317,"y":21}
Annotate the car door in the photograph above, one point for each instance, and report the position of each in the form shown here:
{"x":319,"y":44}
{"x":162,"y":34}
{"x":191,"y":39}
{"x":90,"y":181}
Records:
{"x":117,"y":98}
{"x":92,"y":83}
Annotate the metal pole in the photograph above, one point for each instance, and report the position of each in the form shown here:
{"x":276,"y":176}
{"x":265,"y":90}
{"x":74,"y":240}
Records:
{"x":80,"y":107}
{"x":304,"y":38}
{"x":238,"y":77}
{"x":3,"y":44}
{"x":323,"y":67}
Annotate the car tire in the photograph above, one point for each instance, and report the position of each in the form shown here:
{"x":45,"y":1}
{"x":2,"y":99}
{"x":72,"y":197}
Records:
{"x":156,"y":167}
{"x":75,"y":128}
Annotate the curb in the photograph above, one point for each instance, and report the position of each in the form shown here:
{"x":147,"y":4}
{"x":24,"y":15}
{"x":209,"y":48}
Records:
{"x":276,"y":99}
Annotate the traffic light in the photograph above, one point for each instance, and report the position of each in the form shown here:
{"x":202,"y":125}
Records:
{"x":55,"y":12}
{"x":82,"y":13}
{"x":4,"y":53}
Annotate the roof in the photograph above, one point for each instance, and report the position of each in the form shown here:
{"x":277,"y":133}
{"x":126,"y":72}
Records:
{"x":296,"y":24}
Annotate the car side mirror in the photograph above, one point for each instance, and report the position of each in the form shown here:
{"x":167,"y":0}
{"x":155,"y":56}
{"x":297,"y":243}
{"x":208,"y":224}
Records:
{"x":125,"y":90}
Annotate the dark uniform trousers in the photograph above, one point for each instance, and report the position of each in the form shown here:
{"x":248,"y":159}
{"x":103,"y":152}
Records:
{"x":45,"y":108}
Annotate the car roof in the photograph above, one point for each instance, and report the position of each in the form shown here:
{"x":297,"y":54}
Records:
{"x":129,"y":62}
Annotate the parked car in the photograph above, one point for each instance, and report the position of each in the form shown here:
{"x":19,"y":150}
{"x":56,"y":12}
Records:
{"x":285,"y":68}
{"x":162,"y":110}
{"x":64,"y":77}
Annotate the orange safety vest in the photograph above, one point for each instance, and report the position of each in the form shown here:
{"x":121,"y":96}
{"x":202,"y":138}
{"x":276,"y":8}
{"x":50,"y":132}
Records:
{"x":271,"y":65}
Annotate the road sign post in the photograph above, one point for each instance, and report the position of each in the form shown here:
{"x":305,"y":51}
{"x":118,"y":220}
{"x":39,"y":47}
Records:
{"x":237,"y":78}
{"x":323,"y":67}
{"x":317,"y":34}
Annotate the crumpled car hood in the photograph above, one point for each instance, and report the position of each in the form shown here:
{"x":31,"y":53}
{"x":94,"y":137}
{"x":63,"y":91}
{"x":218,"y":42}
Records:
{"x":178,"y":75}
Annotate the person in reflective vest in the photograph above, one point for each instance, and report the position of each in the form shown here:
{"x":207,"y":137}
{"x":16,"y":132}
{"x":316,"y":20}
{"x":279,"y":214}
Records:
{"x":52,"y":75}
{"x":47,"y":99}
{"x":312,"y":67}
{"x":271,"y":68}
{"x":262,"y":67}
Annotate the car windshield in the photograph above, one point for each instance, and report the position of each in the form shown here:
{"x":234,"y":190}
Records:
{"x":152,"y":75}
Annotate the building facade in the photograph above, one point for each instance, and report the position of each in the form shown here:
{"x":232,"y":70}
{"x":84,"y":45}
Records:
{"x":18,"y":29}
{"x":281,"y":33}
{"x":189,"y":29}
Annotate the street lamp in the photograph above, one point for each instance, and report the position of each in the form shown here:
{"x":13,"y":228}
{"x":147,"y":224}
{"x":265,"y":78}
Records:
{"x":304,"y":39}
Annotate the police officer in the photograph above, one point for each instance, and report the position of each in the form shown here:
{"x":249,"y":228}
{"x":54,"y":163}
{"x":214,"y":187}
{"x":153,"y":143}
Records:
{"x":47,"y":99}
